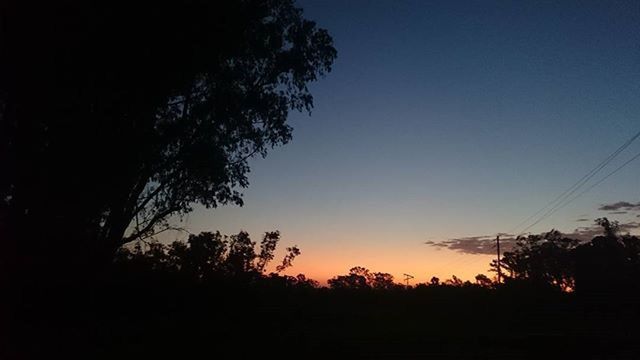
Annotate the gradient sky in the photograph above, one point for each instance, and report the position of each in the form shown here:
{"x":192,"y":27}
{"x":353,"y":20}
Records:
{"x":444,"y":120}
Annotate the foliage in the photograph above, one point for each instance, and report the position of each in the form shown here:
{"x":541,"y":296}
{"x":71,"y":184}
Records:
{"x":212,"y":255}
{"x":544,"y":258}
{"x":116,"y":116}
{"x":483,"y":280}
{"x":360,"y":278}
{"x":606,"y":262}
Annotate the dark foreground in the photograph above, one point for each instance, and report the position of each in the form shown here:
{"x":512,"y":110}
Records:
{"x":148,"y":316}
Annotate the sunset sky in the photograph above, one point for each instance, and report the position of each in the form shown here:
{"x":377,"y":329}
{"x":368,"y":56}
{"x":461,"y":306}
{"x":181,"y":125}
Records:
{"x":443,"y":121}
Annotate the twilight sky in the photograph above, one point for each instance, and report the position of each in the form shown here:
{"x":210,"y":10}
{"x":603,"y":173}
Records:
{"x":445,"y":120}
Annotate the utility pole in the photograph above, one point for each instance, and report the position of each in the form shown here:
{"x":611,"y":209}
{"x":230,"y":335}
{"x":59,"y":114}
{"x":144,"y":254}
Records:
{"x":407,"y":277}
{"x":498,"y":247}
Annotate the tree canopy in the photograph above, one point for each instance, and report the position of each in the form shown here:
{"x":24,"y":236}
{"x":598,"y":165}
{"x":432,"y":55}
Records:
{"x":115,"y":116}
{"x":609,"y":262}
{"x":209,"y":255}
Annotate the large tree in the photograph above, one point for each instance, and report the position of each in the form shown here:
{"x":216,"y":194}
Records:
{"x":115,"y":116}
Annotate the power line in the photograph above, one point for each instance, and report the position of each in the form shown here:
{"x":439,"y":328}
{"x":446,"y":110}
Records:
{"x":585,"y":191}
{"x":555,"y":203}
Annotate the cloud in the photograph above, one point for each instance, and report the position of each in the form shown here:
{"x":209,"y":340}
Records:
{"x":618,"y":212}
{"x":627,"y":227}
{"x":583,"y":220}
{"x":436,"y":244}
{"x":484,"y":244}
{"x":620,"y":205}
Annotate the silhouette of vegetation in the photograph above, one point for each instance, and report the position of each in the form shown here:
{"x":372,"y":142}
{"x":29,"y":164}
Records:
{"x":545,"y":258}
{"x":366,"y":313}
{"x":609,"y":263}
{"x":196,"y":297}
{"x":606,"y":263}
{"x":483,"y":280}
{"x":116,"y":116}
{"x":208,"y":256}
{"x":360,"y":278}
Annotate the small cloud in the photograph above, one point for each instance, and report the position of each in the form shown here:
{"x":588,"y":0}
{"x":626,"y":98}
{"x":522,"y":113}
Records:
{"x":484,"y":244}
{"x":629,"y":226}
{"x":620,"y":205}
{"x":585,"y":219}
{"x":618,"y":212}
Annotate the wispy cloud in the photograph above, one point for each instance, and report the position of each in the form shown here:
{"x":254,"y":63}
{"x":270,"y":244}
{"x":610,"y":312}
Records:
{"x":620,"y":205}
{"x":583,"y":220}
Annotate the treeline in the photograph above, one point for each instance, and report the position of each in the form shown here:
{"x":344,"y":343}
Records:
{"x":608,"y":263}
{"x":227,"y":296}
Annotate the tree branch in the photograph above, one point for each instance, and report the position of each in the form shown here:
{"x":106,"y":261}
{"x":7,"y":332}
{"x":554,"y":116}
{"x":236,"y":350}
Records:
{"x":151,"y":224}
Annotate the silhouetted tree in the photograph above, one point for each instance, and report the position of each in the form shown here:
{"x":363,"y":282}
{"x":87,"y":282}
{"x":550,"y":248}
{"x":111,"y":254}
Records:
{"x":357,"y":279}
{"x":361,"y":278}
{"x":454,"y":281}
{"x":212,"y":255}
{"x":545,"y":258}
{"x":435,"y":281}
{"x":116,"y":116}
{"x":383,"y":281}
{"x":299,"y":281}
{"x":608,"y":263}
{"x":483,"y":280}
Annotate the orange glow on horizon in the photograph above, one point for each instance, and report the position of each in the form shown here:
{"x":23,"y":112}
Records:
{"x":422,"y":265}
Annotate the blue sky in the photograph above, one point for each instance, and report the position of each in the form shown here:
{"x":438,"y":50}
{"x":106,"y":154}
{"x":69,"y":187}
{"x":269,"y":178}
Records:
{"x":444,"y":120}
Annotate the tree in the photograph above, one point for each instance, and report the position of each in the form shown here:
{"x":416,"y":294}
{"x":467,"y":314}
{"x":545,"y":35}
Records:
{"x":114,"y":117}
{"x":361,"y":278}
{"x":608,"y":263}
{"x":454,"y":281}
{"x":483,"y":280}
{"x":545,"y":259}
{"x":383,"y":281}
{"x":212,"y":255}
{"x":358,"y":279}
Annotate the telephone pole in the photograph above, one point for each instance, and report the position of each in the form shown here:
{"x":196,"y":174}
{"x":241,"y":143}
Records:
{"x":498,"y":247}
{"x":407,"y":277}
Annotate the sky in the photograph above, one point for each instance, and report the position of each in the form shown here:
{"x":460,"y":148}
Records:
{"x":448,"y":120}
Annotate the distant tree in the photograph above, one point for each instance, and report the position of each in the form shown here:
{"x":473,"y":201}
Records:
{"x":483,"y":280}
{"x":610,"y":228}
{"x":116,"y":116}
{"x":454,"y":281}
{"x":435,"y":281}
{"x":383,"y":281}
{"x":361,"y":278}
{"x":302,"y":280}
{"x":299,"y":281}
{"x":212,"y":255}
{"x":357,"y":279}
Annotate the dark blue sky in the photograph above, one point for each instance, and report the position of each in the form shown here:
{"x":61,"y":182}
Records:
{"x":447,"y":119}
